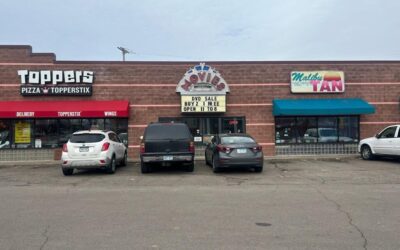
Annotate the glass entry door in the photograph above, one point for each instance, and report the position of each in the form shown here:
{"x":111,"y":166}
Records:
{"x":232,"y":125}
{"x":203,"y":128}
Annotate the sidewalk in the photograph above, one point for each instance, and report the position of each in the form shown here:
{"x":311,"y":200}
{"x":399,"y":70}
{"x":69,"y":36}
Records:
{"x":197,"y":158}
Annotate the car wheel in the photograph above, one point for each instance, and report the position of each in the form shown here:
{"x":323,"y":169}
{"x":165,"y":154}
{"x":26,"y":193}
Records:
{"x":112,"y":166}
{"x":190,"y":167}
{"x":67,"y":171}
{"x":215,"y":164}
{"x":145,"y":168}
{"x":366,"y":153}
{"x":124,"y":160}
{"x":258,"y":169}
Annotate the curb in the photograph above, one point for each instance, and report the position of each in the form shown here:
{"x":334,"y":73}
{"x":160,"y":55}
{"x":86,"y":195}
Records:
{"x":270,"y":159}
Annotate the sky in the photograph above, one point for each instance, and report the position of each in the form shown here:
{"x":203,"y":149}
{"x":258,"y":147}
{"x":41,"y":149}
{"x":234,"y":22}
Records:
{"x":206,"y":30}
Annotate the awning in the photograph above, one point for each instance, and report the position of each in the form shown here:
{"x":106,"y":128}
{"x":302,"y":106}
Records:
{"x":299,"y":107}
{"x":63,"y":109}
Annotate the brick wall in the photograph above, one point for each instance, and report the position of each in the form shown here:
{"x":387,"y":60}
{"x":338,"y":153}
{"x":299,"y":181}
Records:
{"x":148,"y":84}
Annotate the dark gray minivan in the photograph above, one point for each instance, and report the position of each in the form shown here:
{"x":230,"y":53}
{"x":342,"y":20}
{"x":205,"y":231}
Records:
{"x":165,"y":144}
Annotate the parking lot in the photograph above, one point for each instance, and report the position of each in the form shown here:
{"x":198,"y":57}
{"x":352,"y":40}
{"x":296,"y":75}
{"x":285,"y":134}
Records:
{"x":333,"y":203}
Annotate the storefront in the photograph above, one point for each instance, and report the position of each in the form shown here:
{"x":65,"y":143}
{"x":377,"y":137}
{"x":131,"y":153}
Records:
{"x":288,"y":107}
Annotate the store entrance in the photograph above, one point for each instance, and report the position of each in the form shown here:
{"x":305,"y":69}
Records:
{"x":204,"y":128}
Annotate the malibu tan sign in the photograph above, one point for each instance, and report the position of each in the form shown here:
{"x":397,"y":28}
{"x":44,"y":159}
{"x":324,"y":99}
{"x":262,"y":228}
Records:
{"x":317,"y":82}
{"x":203,"y":90}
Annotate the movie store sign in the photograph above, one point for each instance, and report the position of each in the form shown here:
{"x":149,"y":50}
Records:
{"x":203,"y":90}
{"x":203,"y":103}
{"x":56,"y":82}
{"x":317,"y":82}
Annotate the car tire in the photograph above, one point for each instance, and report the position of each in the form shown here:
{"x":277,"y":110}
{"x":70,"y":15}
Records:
{"x":258,"y":169}
{"x":366,"y":153}
{"x":215,"y":164}
{"x":145,"y":168}
{"x":112,"y":166}
{"x":67,"y":171}
{"x":190,"y":167}
{"x":124,"y":160}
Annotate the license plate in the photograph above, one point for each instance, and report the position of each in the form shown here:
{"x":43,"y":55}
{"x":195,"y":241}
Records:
{"x":241,"y":150}
{"x":168,"y":158}
{"x":83,"y":149}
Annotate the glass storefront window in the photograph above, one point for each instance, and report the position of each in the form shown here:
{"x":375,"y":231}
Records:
{"x":66,"y":128}
{"x":93,"y":124}
{"x":327,"y":129}
{"x":322,"y":129}
{"x":213,"y":126}
{"x":5,"y":134}
{"x":52,"y":133}
{"x":307,"y":130}
{"x":119,"y":126}
{"x":348,"y":129}
{"x":285,"y":130}
{"x":46,"y":133}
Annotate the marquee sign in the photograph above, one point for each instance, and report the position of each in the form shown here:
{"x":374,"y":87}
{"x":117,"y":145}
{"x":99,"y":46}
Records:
{"x":317,"y":82}
{"x":203,"y":90}
{"x":56,"y":82}
{"x":203,"y":103}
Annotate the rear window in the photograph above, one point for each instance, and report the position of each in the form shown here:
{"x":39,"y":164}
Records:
{"x":164,"y":132}
{"x":236,"y":139}
{"x":86,"y":138}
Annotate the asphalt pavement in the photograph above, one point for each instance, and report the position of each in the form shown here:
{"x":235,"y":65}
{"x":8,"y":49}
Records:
{"x":334,"y":203}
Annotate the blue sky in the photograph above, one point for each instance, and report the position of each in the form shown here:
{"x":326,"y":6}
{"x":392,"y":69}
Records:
{"x":207,"y":30}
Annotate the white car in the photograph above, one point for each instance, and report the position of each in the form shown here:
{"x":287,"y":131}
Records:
{"x":93,"y":149}
{"x":386,"y":143}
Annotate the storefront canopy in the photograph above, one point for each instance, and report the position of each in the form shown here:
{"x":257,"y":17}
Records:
{"x":299,"y":107}
{"x":63,"y":109}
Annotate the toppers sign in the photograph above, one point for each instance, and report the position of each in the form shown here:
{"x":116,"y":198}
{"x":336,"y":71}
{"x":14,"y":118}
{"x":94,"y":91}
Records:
{"x":56,"y":82}
{"x":202,"y":90}
{"x":317,"y":82}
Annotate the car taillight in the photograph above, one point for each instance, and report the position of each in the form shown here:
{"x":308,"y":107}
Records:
{"x":142,"y":148}
{"x":257,"y":149}
{"x":191,"y":147}
{"x":65,"y":148}
{"x":105,"y":147}
{"x":223,"y":149}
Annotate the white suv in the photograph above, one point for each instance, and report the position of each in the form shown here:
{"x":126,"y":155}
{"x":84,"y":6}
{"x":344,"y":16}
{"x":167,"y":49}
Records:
{"x":386,"y":143}
{"x":93,"y":149}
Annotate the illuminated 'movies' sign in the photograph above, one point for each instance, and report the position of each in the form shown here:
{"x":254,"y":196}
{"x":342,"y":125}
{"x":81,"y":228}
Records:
{"x":203,"y":90}
{"x":56,"y":82}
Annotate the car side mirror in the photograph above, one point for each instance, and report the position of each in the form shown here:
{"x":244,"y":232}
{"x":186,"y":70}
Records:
{"x":377,"y":136}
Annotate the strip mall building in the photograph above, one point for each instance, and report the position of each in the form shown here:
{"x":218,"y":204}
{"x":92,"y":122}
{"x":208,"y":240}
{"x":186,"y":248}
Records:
{"x":290,"y":108}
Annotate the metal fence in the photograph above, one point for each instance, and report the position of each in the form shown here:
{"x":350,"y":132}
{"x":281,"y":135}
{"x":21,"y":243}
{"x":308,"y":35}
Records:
{"x":316,"y":149}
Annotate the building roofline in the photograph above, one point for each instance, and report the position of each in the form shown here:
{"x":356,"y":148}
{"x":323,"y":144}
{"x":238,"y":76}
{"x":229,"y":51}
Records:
{"x":231,"y":62}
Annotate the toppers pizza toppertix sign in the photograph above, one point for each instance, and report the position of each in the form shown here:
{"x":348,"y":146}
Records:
{"x":56,"y":82}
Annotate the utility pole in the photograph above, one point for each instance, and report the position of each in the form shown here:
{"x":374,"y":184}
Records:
{"x":125,"y":51}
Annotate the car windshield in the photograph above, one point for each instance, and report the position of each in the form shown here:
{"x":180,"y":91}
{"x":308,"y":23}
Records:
{"x":86,"y":138}
{"x":165,"y":132}
{"x":328,"y":132}
{"x":236,"y":139}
